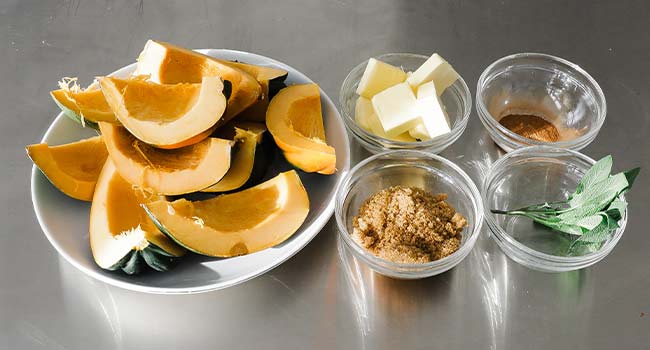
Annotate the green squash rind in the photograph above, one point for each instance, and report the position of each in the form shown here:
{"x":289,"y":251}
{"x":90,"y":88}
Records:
{"x":134,"y":265}
{"x":166,"y":232}
{"x":277,"y":84}
{"x":151,"y":257}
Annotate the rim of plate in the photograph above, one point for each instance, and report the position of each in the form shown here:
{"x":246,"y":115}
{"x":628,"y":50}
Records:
{"x":312,"y":230}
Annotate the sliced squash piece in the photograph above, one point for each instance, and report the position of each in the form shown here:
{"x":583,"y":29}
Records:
{"x":239,"y":223}
{"x":294,"y":119}
{"x":121,"y":234}
{"x":85,"y":106}
{"x":192,"y":140}
{"x":165,"y":114}
{"x":271,"y":81}
{"x":73,"y":168}
{"x":260,"y":73}
{"x":170,"y":64}
{"x":257,"y":112}
{"x":167,"y":172}
{"x":248,"y":136}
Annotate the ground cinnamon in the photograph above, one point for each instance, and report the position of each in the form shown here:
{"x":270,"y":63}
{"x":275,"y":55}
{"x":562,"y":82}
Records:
{"x":408,"y":225}
{"x":531,"y":126}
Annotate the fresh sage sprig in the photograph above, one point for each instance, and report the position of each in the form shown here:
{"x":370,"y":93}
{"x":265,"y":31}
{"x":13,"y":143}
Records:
{"x":592,"y":211}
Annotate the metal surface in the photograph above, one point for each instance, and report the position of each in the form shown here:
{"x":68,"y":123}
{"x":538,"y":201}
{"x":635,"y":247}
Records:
{"x":318,"y":299}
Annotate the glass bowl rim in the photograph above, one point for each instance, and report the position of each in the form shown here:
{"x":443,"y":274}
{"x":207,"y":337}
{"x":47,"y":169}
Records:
{"x":520,"y":247}
{"x":485,"y":115}
{"x":360,"y":132}
{"x":454,"y":258}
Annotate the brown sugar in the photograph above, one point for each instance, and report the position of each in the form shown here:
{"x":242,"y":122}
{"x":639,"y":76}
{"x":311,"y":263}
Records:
{"x":408,"y":225}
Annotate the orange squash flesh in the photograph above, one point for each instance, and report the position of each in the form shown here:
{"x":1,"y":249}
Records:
{"x":248,"y":137}
{"x":239,"y":223}
{"x":166,"y":115}
{"x":192,"y":140}
{"x":294,"y":119}
{"x":89,"y":104}
{"x":170,"y":64}
{"x":260,"y":73}
{"x":167,"y":172}
{"x":73,"y":168}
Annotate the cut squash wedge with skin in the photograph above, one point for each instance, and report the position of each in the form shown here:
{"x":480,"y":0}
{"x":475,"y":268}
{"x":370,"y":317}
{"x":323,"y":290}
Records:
{"x":165,"y":115}
{"x":248,"y":137}
{"x":294,"y":119}
{"x":73,"y":168}
{"x":86,"y":107}
{"x":239,"y":223}
{"x":192,"y":140}
{"x":167,"y":172}
{"x":121,"y":234}
{"x":271,"y":81}
{"x":257,"y":112}
{"x":170,"y":64}
{"x":260,"y":73}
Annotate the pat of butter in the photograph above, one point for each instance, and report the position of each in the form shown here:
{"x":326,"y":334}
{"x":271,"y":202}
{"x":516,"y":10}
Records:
{"x":395,"y":109}
{"x":379,"y":76}
{"x":433,"y":118}
{"x":365,"y":116}
{"x":435,"y":69}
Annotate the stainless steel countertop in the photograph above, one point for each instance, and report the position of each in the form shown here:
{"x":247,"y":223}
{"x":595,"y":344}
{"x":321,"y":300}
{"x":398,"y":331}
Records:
{"x":316,"y":300}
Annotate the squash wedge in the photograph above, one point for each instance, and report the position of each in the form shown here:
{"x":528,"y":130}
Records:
{"x":166,"y":172}
{"x":294,"y":119}
{"x":248,"y":137}
{"x":73,"y":168}
{"x":260,"y":73}
{"x":87,"y":107}
{"x":271,"y":81}
{"x":239,"y":223}
{"x":257,"y":112}
{"x":170,"y":64}
{"x":164,"y":115}
{"x":121,"y":234}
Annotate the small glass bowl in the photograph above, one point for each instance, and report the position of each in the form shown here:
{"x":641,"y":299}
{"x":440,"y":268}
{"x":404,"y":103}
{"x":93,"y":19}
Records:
{"x":408,"y":168}
{"x":456,"y":99}
{"x":531,"y":175}
{"x":560,"y":90}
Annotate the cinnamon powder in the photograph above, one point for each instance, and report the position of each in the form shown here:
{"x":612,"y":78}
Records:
{"x":408,"y":225}
{"x":531,"y":126}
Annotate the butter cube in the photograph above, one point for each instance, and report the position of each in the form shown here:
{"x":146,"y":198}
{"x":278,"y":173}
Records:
{"x":379,"y":76}
{"x":434,"y":69}
{"x":403,"y":137}
{"x":395,"y":109}
{"x":433,"y":118}
{"x":419,"y":132}
{"x":365,"y":116}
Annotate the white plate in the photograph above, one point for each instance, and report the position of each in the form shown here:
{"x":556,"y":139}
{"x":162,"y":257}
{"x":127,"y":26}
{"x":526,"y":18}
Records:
{"x":65,"y":221}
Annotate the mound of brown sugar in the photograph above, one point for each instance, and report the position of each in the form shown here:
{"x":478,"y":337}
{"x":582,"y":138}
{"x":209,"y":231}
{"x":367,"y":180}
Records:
{"x":408,"y":225}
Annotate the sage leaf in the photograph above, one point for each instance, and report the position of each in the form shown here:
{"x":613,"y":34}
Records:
{"x":616,"y":209}
{"x":612,"y":186}
{"x":598,"y":234}
{"x":611,"y":222}
{"x":590,"y":222}
{"x":592,"y":211}
{"x":631,"y":175}
{"x":597,"y":173}
{"x":590,"y":208}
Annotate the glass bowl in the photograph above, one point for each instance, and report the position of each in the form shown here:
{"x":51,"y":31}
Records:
{"x":408,"y":168}
{"x":456,"y":99}
{"x":559,"y":90}
{"x":534,"y":175}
